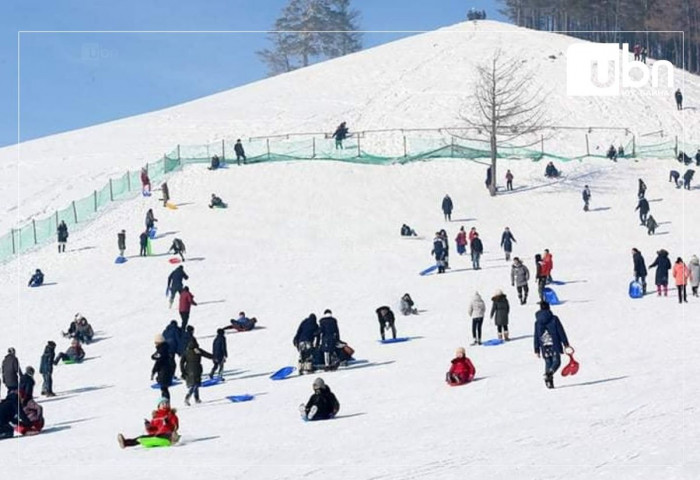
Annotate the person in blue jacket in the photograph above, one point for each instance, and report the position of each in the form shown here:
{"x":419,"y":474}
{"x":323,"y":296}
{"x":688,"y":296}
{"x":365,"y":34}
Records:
{"x":329,"y":335}
{"x":219,"y":354}
{"x":173,"y":337}
{"x":507,"y":240}
{"x":440,"y":252}
{"x":640,"y":269}
{"x":550,"y":341}
{"x":37,"y":279}
{"x":175,"y":280}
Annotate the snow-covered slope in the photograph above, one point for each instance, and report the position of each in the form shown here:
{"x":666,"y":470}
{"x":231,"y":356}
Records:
{"x":422,"y":81}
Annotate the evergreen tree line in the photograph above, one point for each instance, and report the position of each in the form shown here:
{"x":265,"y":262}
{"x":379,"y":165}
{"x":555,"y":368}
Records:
{"x":606,"y":19}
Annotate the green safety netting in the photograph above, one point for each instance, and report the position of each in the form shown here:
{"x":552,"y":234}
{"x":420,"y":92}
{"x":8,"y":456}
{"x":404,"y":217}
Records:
{"x":395,"y":149}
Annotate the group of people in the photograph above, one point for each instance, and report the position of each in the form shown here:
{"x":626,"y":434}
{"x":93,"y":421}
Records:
{"x":319,"y":345}
{"x":681,"y":272}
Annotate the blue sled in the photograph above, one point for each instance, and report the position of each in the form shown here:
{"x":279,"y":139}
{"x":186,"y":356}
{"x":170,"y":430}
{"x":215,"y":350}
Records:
{"x":146,"y":193}
{"x":636,"y":290}
{"x":550,"y":296}
{"x":211,"y":382}
{"x":282,"y":373}
{"x":152,"y":233}
{"x":120,"y":260}
{"x":428,"y":270}
{"x":156,"y":386}
{"x":241,"y":398}
{"x":395,"y":340}
{"x":493,"y":342}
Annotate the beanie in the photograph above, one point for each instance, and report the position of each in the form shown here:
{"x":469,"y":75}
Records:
{"x":319,"y":383}
{"x":159,"y":338}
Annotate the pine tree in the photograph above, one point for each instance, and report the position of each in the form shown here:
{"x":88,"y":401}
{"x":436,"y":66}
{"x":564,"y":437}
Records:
{"x":309,"y":30}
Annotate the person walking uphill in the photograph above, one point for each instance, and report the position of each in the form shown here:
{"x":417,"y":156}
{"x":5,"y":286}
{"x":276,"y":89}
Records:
{"x":185,"y":304}
{"x":175,"y":280}
{"x":643,"y":207}
{"x":219,"y":353}
{"x":549,"y":341}
{"x":519,"y":276}
{"x":640,"y":269}
{"x":679,"y":99}
{"x":150,"y":219}
{"x":447,"y":207}
{"x":62,"y":233}
{"x":694,"y":268}
{"x":500,"y":308}
{"x":386,"y":321}
{"x":586,"y":194}
{"x":46,"y":368}
{"x":240,"y":152}
{"x":477,"y":309}
{"x":166,"y":193}
{"x":11,"y":371}
{"x":440,"y":252}
{"x":191,"y":366}
{"x":340,"y":134}
{"x":477,"y":248}
{"x":121,"y":242}
{"x":507,"y":240}
{"x":143,"y":244}
{"x":163,"y":366}
{"x":461,"y":241}
{"x":681,"y":273}
{"x":663,"y":265}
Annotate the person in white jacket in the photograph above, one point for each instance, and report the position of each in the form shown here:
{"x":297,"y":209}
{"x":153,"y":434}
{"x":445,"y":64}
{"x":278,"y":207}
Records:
{"x":477,"y":308}
{"x":694,"y":266}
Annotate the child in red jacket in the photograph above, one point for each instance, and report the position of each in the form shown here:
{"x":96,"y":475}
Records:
{"x":164,"y":424}
{"x":462,"y":370}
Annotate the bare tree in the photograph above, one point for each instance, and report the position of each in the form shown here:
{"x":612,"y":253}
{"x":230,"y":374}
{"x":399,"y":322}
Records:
{"x":506,"y":104}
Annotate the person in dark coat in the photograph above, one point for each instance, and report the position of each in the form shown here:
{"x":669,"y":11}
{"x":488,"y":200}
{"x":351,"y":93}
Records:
{"x":11,"y":414}
{"x":163,"y":365}
{"x":586,"y":194}
{"x":640,"y":269}
{"x":175,"y":280}
{"x":191,"y":366}
{"x":407,"y":305}
{"x":121,"y":242}
{"x":215,"y":163}
{"x":446,"y":246}
{"x":46,"y":368}
{"x":386,"y":320}
{"x":500,"y":309}
{"x":679,"y":99}
{"x":329,"y":335}
{"x":687,"y":178}
{"x":37,"y":279}
{"x":662,"y":265}
{"x":477,"y":248}
{"x":143,"y":244}
{"x":11,"y":370}
{"x":551,"y":171}
{"x":240,"y":152}
{"x":322,"y":405}
{"x":509,"y":180}
{"x":697,"y":158}
{"x":340,"y":134}
{"x":641,"y":191}
{"x":549,"y":341}
{"x":439,"y":252}
{"x":150,"y":219}
{"x":145,"y":181}
{"x":242,"y":323}
{"x":166,"y":193}
{"x":83,"y":330}
{"x":305,"y":341}
{"x":185,"y":340}
{"x":507,"y":240}
{"x":178,"y":248}
{"x":407,"y":231}
{"x":651,"y":225}
{"x":447,"y":208}
{"x":26,"y":385}
{"x":216,"y":202}
{"x":489,"y":176}
{"x":74,"y":353}
{"x":219,"y":353}
{"x":674,"y":176}
{"x":173,"y":337}
{"x":62,"y":233}
{"x":643,"y":207}
{"x":612,"y":153}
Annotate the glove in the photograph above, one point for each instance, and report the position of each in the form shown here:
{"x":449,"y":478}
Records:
{"x":153,"y":375}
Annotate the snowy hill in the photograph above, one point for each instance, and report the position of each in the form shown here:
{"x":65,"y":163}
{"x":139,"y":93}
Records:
{"x":300,"y":237}
{"x":422,"y":81}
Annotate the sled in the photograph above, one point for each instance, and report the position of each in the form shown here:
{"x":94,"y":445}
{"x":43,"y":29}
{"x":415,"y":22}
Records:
{"x":154,"y":442}
{"x":636,"y":290}
{"x":152,"y":233}
{"x":572,"y":367}
{"x":171,"y":206}
{"x":223,"y":205}
{"x":174,"y":260}
{"x":428,"y":270}
{"x":395,"y":340}
{"x":35,"y":285}
{"x":211,"y":382}
{"x":120,"y":259}
{"x":241,"y":398}
{"x":156,"y":386}
{"x":146,"y":193}
{"x":69,"y":361}
{"x":282,"y":373}
{"x":492,"y":342}
{"x":550,"y":296}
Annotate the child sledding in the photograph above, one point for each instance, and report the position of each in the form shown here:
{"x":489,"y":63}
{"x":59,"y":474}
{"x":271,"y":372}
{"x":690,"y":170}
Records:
{"x":161,"y":430}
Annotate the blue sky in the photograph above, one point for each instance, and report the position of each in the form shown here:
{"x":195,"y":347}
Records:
{"x":73,"y":80}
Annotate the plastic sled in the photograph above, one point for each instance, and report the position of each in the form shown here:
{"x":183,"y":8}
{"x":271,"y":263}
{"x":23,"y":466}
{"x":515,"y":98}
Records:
{"x":282,"y":373}
{"x":221,"y":206}
{"x":395,"y":340}
{"x":34,"y":285}
{"x":429,"y":270}
{"x":550,"y":296}
{"x":241,"y":398}
{"x":572,"y":367}
{"x":175,"y":260}
{"x":636,"y":290}
{"x":69,"y":361}
{"x":153,"y":442}
{"x":210,"y":382}
{"x":119,"y":260}
{"x":146,"y":193}
{"x":171,"y":206}
{"x":156,"y":386}
{"x":152,"y":233}
{"x":492,"y":342}
{"x":149,"y":247}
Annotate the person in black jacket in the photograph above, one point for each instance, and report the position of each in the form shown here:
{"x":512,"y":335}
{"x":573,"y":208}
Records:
{"x":178,"y":248}
{"x":663,"y":265}
{"x":549,"y":341}
{"x":11,"y":370}
{"x":679,"y":99}
{"x":329,"y":335}
{"x":46,"y":368}
{"x":440,"y":252}
{"x":166,"y":194}
{"x":143,"y":244}
{"x":674,"y":176}
{"x":37,"y":279}
{"x":322,"y":405}
{"x":219,"y":354}
{"x":11,"y":413}
{"x":175,"y":280}
{"x":447,"y":208}
{"x":477,"y":248}
{"x":173,"y":336}
{"x":507,"y":240}
{"x":163,"y":366}
{"x":62,"y":233}
{"x":586,"y":194}
{"x":687,"y":178}
{"x":26,"y":385}
{"x":641,"y":191}
{"x":305,"y":341}
{"x":386,"y":320}
{"x":640,"y":269}
{"x":150,"y":219}
{"x":340,"y":134}
{"x":215,"y":162}
{"x":240,"y":152}
{"x":643,"y":207}
{"x":121,"y":242}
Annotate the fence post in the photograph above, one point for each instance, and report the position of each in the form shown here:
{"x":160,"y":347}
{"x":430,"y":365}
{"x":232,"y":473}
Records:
{"x":313,"y":147}
{"x":452,"y":146}
{"x":634,"y":146}
{"x":128,"y":181}
{"x":223,"y":150}
{"x":542,"y":142}
{"x":111,"y":193}
{"x":34,"y":229}
{"x":56,"y":218}
{"x":267,"y":140}
{"x":359,"y":152}
{"x":75,"y":213}
{"x":405,"y":153}
{"x":179,"y":160}
{"x":94,"y":196}
{"x":12,"y":234}
{"x":588,"y":149}
{"x":675,"y":149}
{"x":165,"y":163}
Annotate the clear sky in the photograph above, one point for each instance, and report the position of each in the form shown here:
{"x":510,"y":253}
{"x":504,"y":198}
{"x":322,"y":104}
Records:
{"x":73,"y":80}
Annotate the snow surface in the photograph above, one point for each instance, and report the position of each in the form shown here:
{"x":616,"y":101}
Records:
{"x":300,"y":237}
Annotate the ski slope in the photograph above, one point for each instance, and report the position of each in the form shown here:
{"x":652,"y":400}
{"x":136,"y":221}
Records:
{"x":300,"y":237}
{"x":423,"y":81}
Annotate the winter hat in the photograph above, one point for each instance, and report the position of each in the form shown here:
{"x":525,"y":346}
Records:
{"x":327,"y":312}
{"x":694,"y":259}
{"x":30,"y":371}
{"x":219,"y":331}
{"x":319,"y":383}
{"x":159,"y":338}
{"x":11,"y":351}
{"x":163,"y":400}
{"x":190,"y":328}
{"x":544,"y":305}
{"x":461,"y":352}
{"x":51,"y":344}
{"x":498,"y":293}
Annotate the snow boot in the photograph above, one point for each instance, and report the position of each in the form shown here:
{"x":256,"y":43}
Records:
{"x":187,"y":400}
{"x":500,"y":336}
{"x":312,"y":412}
{"x":174,"y":437}
{"x":549,"y":379}
{"x":475,"y":342}
{"x":505,"y":336}
{"x":120,"y":439}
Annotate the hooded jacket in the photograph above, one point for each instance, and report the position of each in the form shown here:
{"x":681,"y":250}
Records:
{"x":477,"y":309}
{"x":694,"y":267}
{"x":500,"y":309}
{"x":519,"y":274}
{"x":663,"y":265}
{"x":546,"y":321}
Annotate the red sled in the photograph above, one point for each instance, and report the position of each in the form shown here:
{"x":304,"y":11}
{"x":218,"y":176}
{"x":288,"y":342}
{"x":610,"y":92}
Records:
{"x":572,"y":367}
{"x":174,"y":260}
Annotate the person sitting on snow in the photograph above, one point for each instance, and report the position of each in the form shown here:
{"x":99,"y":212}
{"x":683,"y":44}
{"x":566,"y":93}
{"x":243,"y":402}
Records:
{"x":163,"y":424}
{"x":407,"y":231}
{"x":178,"y":248}
{"x":242,"y":323}
{"x":551,"y":171}
{"x":84,"y":331}
{"x":75,"y":353}
{"x":322,"y":405}
{"x":11,"y":414}
{"x":35,"y":416}
{"x":37,"y":279}
{"x":407,"y":305}
{"x":215,"y":162}
{"x":462,"y":370}
{"x":216,"y":202}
